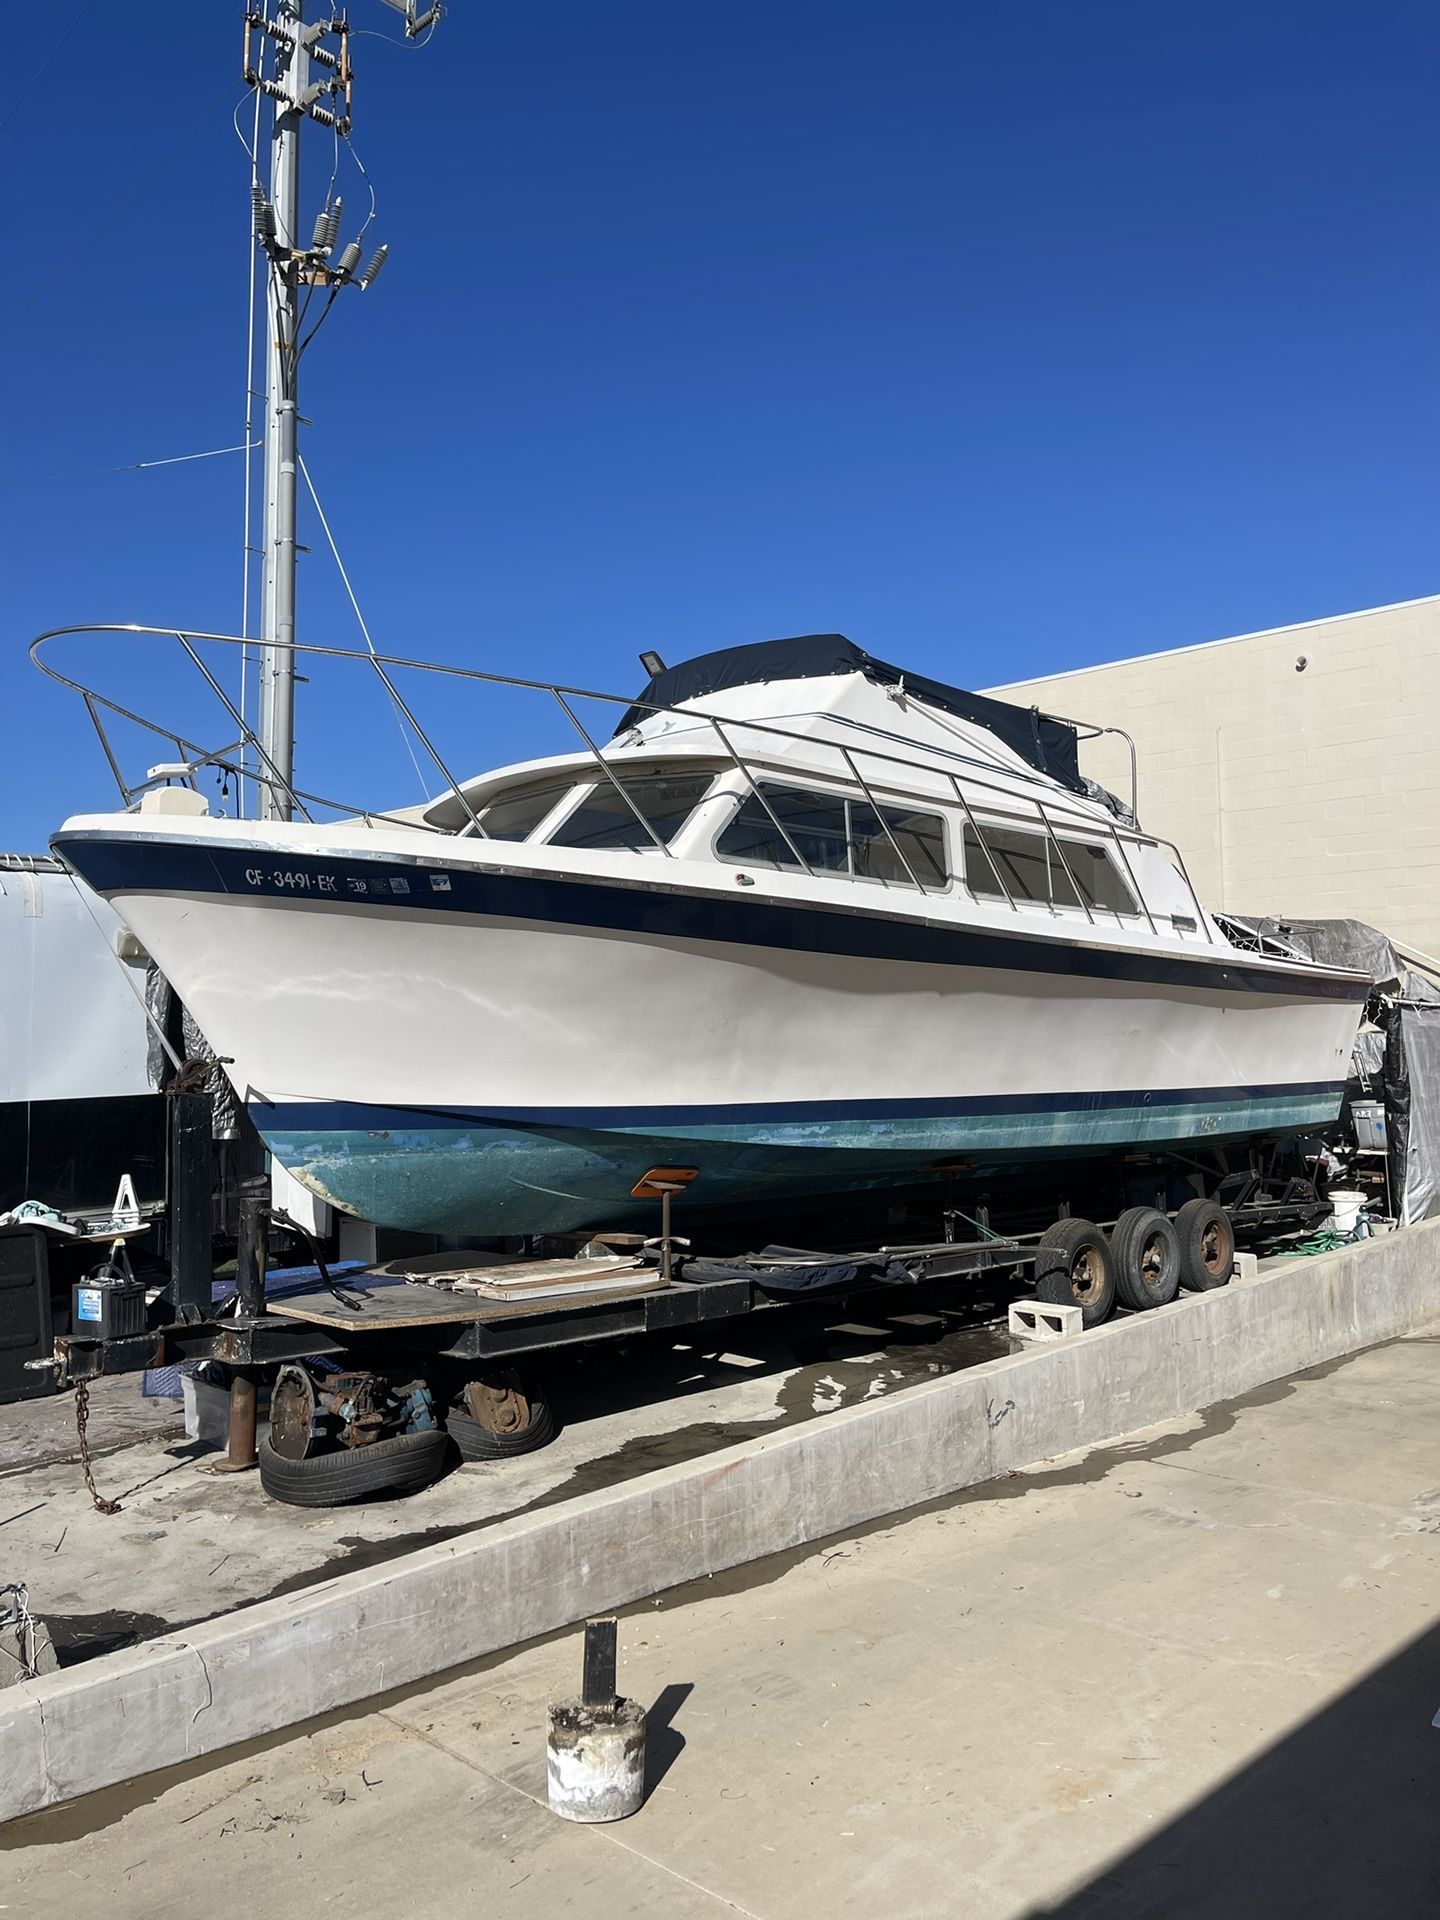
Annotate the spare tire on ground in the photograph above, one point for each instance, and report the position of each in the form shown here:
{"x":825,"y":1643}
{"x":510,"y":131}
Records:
{"x":402,"y":1464}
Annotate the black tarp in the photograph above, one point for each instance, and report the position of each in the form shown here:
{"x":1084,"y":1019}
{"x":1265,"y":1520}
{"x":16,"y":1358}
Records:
{"x":1049,"y":745}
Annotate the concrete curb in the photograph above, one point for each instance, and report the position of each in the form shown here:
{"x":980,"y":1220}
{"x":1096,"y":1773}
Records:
{"x":270,"y":1665}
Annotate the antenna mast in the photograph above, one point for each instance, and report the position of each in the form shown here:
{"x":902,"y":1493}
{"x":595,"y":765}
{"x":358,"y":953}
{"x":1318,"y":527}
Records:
{"x":308,"y":78}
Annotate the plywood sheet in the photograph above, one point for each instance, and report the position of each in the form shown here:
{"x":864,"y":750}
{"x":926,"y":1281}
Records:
{"x":385,"y":1303}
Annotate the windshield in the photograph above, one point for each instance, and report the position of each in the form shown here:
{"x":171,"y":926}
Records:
{"x":606,"y":819}
{"x":514,"y":816}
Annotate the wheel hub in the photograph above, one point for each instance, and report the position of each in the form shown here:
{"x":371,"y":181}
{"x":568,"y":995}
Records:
{"x":499,"y":1406}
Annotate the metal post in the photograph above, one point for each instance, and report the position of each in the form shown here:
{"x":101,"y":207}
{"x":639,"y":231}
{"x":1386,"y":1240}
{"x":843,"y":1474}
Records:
{"x":665,"y":1267}
{"x":597,"y":1683}
{"x":240,"y":1451}
{"x":277,"y":606}
{"x":190,"y":1205}
{"x":252,"y":1246}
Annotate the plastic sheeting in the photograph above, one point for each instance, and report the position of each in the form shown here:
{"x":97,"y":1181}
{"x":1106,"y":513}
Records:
{"x":1412,"y":1105}
{"x":1338,"y":943}
{"x":160,"y":999}
{"x":1405,"y":1005}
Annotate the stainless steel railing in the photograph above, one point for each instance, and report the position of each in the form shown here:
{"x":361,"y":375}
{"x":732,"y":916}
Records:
{"x":999,"y":800}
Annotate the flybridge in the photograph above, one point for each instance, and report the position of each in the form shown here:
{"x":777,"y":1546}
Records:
{"x":1046,"y":743}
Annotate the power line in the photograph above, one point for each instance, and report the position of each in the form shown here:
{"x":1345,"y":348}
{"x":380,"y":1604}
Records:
{"x":111,"y":218}
{"x":44,"y":67}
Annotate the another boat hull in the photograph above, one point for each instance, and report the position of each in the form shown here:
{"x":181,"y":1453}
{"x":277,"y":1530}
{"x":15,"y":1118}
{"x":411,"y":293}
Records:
{"x":458,"y":1047}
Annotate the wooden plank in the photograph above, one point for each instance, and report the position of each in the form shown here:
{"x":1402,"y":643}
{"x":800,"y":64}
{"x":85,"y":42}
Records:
{"x":395,"y":1304}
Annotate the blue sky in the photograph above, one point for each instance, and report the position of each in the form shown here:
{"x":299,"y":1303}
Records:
{"x":1000,"y":338}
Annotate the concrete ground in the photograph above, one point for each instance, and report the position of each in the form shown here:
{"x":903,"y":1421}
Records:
{"x":188,"y":1544}
{"x":39,"y":1432}
{"x":1190,"y":1675}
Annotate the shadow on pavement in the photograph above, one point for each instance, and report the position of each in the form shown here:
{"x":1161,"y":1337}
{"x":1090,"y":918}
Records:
{"x":664,"y":1743}
{"x":1340,"y":1819}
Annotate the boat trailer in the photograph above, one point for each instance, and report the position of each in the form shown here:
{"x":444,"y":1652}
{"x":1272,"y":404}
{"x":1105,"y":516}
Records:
{"x":379,"y":1372}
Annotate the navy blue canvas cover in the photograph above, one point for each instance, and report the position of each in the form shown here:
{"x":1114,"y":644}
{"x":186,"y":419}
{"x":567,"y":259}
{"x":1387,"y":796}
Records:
{"x":1049,"y":745}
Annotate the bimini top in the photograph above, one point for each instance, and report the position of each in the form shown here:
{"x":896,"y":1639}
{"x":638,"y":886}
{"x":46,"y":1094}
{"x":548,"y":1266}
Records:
{"x":1049,"y":745}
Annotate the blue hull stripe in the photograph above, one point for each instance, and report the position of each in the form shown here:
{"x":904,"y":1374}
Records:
{"x":445,"y":1172}
{"x":351,"y":1116}
{"x":115,"y":865}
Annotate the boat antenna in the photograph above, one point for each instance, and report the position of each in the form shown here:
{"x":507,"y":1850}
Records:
{"x":309,"y":78}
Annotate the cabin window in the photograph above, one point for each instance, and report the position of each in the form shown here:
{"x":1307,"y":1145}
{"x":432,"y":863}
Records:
{"x":515,"y":815}
{"x":605,"y":822}
{"x":1098,"y":877}
{"x":834,"y":834}
{"x":1031,"y":870}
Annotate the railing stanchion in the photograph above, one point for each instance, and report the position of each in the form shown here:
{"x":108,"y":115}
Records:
{"x":1135,"y":887}
{"x":1010,"y":900}
{"x":609,"y":772}
{"x":1040,"y":809}
{"x":758,"y":792}
{"x":879,"y":813}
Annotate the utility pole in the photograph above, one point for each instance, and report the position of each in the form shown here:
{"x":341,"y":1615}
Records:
{"x":305,"y":69}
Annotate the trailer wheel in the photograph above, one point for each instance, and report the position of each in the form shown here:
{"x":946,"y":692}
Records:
{"x":1207,"y":1245}
{"x":500,"y":1418}
{"x":1075,"y":1268}
{"x":1147,"y":1258}
{"x":402,"y":1464}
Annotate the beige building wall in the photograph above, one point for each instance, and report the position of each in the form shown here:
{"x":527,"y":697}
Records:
{"x":1311,"y":792}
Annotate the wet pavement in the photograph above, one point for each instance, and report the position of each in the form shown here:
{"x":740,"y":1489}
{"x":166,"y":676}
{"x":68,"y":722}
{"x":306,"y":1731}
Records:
{"x":188,"y":1544}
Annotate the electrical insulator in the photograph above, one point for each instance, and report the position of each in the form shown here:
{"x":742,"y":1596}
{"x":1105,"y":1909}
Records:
{"x":349,"y":260}
{"x":262,"y":213}
{"x":373,"y":266}
{"x":332,"y":224}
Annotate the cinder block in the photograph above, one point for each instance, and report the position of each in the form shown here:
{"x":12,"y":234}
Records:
{"x":1039,"y":1320}
{"x":1247,"y":1267}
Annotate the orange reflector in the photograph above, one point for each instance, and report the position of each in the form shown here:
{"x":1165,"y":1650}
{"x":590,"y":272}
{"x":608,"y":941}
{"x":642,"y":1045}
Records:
{"x":661,"y":1180}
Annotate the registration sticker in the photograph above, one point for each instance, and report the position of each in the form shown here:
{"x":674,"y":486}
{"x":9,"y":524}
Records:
{"x":440,"y":883}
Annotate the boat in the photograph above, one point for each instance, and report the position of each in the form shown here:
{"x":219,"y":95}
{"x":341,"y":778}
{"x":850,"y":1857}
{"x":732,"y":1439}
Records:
{"x":804,"y":925}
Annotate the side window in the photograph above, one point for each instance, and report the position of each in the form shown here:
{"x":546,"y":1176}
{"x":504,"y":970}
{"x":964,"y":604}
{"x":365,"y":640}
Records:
{"x":1098,"y":878}
{"x":919,"y":836}
{"x":833,"y":834}
{"x":1032,"y":870}
{"x":604,"y":821}
{"x":815,"y":823}
{"x":1024,"y":871}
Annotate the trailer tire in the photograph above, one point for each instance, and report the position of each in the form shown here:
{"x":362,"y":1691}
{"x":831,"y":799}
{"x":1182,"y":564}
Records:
{"x":1147,"y":1259}
{"x":1207,"y":1245}
{"x":1074,"y":1267}
{"x":479,"y":1443}
{"x":402,"y":1464}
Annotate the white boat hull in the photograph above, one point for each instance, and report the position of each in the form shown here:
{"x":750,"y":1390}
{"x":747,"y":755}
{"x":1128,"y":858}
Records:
{"x":442,"y":1042}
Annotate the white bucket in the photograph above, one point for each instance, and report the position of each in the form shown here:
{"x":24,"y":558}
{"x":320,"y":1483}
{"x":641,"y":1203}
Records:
{"x":1347,"y":1209}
